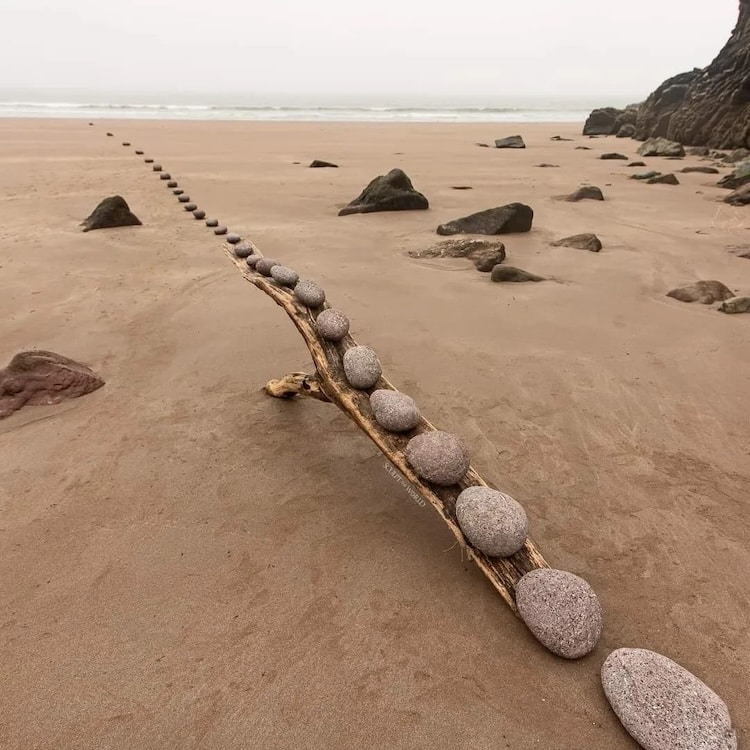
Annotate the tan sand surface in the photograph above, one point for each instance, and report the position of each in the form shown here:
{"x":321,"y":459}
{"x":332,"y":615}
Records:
{"x":187,"y":563}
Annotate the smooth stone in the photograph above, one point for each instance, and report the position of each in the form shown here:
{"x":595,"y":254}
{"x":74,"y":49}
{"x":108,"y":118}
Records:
{"x":438,"y":457}
{"x":512,"y":141}
{"x":233,"y":238}
{"x":661,"y":147}
{"x":184,"y":198}
{"x":178,"y":191}
{"x":125,"y":143}
{"x":253,"y":260}
{"x":220,"y":230}
{"x":332,"y":325}
{"x":243,"y":249}
{"x":190,"y":206}
{"x":663,"y":179}
{"x":394,"y":411}
{"x":199,"y":214}
{"x":585,"y":241}
{"x":705,"y":292}
{"x":662,"y":705}
{"x":699,"y":170}
{"x":361,"y":366}
{"x":309,"y":294}
{"x":264,"y":266}
{"x":561,"y":610}
{"x":588,"y":192}
{"x":139,"y":153}
{"x":513,"y":274}
{"x":172,"y":184}
{"x":148,"y":161}
{"x":157,"y":167}
{"x":212,"y":222}
{"x":284,"y":276}
{"x":492,"y":521}
{"x":165,"y":176}
{"x":735,"y":305}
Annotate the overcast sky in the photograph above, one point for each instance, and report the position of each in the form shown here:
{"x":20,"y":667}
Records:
{"x":398,"y":48}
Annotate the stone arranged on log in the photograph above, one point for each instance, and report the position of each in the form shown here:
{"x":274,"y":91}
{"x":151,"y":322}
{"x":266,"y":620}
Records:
{"x":220,"y":231}
{"x":492,"y":521}
{"x":390,"y":192}
{"x":735,"y":305}
{"x":183,"y":198}
{"x":739,"y":197}
{"x":438,"y":457}
{"x":394,"y":411}
{"x":190,"y":207}
{"x":165,"y":176}
{"x":233,"y":238}
{"x":361,"y":366}
{"x":661,"y":147}
{"x":172,"y":184}
{"x":705,"y":292}
{"x":42,"y":378}
{"x":242,"y":249}
{"x":662,"y":705}
{"x":663,"y":179}
{"x":284,"y":276}
{"x":699,"y":170}
{"x":586,"y":241}
{"x":320,"y":164}
{"x":613,"y":156}
{"x":512,"y":141}
{"x":212,"y":222}
{"x":561,"y":610}
{"x":309,"y":294}
{"x":587,"y":192}
{"x":512,"y":274}
{"x":111,"y":212}
{"x":199,"y":214}
{"x":253,"y":260}
{"x":484,"y":254}
{"x":738,"y":177}
{"x":332,"y":325}
{"x":513,"y":217}
{"x":157,"y":167}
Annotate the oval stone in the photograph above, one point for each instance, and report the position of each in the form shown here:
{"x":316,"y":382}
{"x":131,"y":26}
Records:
{"x":178,"y":191}
{"x":199,"y":214}
{"x":156,"y":167}
{"x":220,"y":230}
{"x":252,"y":260}
{"x":212,"y":222}
{"x":172,"y":184}
{"x":309,"y":294}
{"x":361,"y":366}
{"x":438,"y":457}
{"x":183,"y":198}
{"x":332,"y":325}
{"x":561,"y":610}
{"x":190,"y":206}
{"x":165,"y":176}
{"x":242,"y":249}
{"x":233,"y":238}
{"x":284,"y":276}
{"x":662,"y":705}
{"x":492,"y":521}
{"x":264,"y":266}
{"x":394,"y":411}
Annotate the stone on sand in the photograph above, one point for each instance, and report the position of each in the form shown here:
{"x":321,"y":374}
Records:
{"x":148,"y":160}
{"x":438,"y":457}
{"x":309,"y":293}
{"x":735,"y":305}
{"x":212,"y":222}
{"x":512,"y":141}
{"x":220,"y":231}
{"x":705,"y":292}
{"x":644,"y":175}
{"x":587,"y":192}
{"x":492,"y":521}
{"x":391,"y":192}
{"x":513,"y":217}
{"x":663,"y":179}
{"x":739,"y":197}
{"x":332,"y":324}
{"x":362,"y":367}
{"x":178,"y":191}
{"x":319,"y":164}
{"x":700,"y":170}
{"x":612,"y":156}
{"x":484,"y":254}
{"x":199,"y":214}
{"x":111,"y":212}
{"x":512,"y":274}
{"x":394,"y":411}
{"x":284,"y":275}
{"x":661,"y":147}
{"x":586,"y":241}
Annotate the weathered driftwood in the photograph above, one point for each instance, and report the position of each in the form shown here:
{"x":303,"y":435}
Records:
{"x":330,"y":384}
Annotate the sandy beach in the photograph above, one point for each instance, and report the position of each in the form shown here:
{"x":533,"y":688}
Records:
{"x":188,"y":563}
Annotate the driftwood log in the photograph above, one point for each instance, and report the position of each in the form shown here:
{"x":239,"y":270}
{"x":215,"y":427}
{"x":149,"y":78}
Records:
{"x":329,"y":384}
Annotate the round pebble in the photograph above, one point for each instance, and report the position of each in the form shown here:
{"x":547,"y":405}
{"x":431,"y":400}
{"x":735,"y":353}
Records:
{"x":492,"y":521}
{"x":178,"y":191}
{"x":212,"y":222}
{"x":149,"y":161}
{"x":264,"y":266}
{"x":172,"y":184}
{"x":243,"y":249}
{"x":332,"y":324}
{"x":233,"y":238}
{"x":190,"y":206}
{"x":438,"y":457}
{"x":309,"y":294}
{"x":394,"y":411}
{"x":165,"y":176}
{"x":199,"y":214}
{"x":157,"y":167}
{"x":662,"y":705}
{"x":361,"y":366}
{"x":253,"y":260}
{"x":284,"y":276}
{"x":184,"y":198}
{"x":561,"y":610}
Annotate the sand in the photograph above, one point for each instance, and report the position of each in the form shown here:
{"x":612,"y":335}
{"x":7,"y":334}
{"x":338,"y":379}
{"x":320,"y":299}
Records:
{"x":187,"y":563}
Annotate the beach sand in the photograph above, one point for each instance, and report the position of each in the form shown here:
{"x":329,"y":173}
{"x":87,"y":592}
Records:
{"x":187,"y":563}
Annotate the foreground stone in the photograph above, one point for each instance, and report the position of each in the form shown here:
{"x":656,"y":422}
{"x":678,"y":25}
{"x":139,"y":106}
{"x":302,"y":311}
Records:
{"x":111,"y":212}
{"x":705,"y":292}
{"x":586,"y":241}
{"x":739,"y":197}
{"x":394,"y":411}
{"x":661,"y":147}
{"x":319,"y":164}
{"x":738,"y":177}
{"x":332,"y":324}
{"x":485,"y":254}
{"x":492,"y":521}
{"x":390,"y":192}
{"x":511,"y":274}
{"x":284,"y":276}
{"x":264,"y":266}
{"x":588,"y":192}
{"x":362,"y":367}
{"x":662,"y":705}
{"x":513,"y":217}
{"x":41,"y":377}
{"x":438,"y":457}
{"x":561,"y":610}
{"x":242,"y":249}
{"x":735,"y":305}
{"x":512,"y":141}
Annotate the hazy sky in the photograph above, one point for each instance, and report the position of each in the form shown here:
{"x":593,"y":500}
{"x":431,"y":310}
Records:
{"x":393,"y":47}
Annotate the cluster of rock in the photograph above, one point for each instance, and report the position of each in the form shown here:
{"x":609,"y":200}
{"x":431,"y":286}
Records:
{"x":709,"y":293}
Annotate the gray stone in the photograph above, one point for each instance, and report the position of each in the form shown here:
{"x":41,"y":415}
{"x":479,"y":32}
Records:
{"x":232,"y":238}
{"x":148,"y":160}
{"x":319,"y":163}
{"x":544,"y":165}
{"x":661,"y":147}
{"x":510,"y":273}
{"x":492,"y":521}
{"x":165,"y":176}
{"x":332,"y":325}
{"x":513,"y":217}
{"x":644,"y":175}
{"x":588,"y":192}
{"x":512,"y":141}
{"x":585,"y":241}
{"x":264,"y":266}
{"x":698,"y":151}
{"x":626,"y":131}
{"x":705,"y":292}
{"x":438,"y":457}
{"x":662,"y":705}
{"x":739,"y":197}
{"x":394,"y":411}
{"x":220,"y":230}
{"x":663,"y":179}
{"x":284,"y":276}
{"x":309,"y":294}
{"x":253,"y":260}
{"x":700,"y":170}
{"x":199,"y":214}
{"x":362,"y":367}
{"x":561,"y":610}
{"x":183,"y":198}
{"x":111,"y":212}
{"x":735,"y":305}
{"x":190,"y":207}
{"x":178,"y":191}
{"x":243,"y":249}
{"x":212,"y":222}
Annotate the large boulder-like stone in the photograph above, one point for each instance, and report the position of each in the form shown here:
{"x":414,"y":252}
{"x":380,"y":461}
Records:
{"x":438,"y":457}
{"x":739,"y":197}
{"x":492,"y":521}
{"x":484,"y":254}
{"x":586,"y":241}
{"x":661,"y":147}
{"x":612,"y":156}
{"x":512,"y":141}
{"x":390,"y":192}
{"x":587,"y":192}
{"x":705,"y":292}
{"x":41,"y":377}
{"x":513,"y":217}
{"x":699,"y":170}
{"x":111,"y":212}
{"x":654,"y":115}
{"x":662,"y":705}
{"x":602,"y":121}
{"x":738,"y":177}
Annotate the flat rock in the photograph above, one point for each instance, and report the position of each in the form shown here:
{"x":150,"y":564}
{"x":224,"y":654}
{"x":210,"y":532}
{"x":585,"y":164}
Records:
{"x":613,"y":155}
{"x":485,"y":254}
{"x":587,"y":192}
{"x":212,"y":222}
{"x":492,"y":521}
{"x":232,"y":238}
{"x":739,"y":197}
{"x":362,"y":367}
{"x":700,"y":170}
{"x":512,"y":274}
{"x":332,"y":324}
{"x":390,"y":192}
{"x":586,"y":241}
{"x":264,"y":266}
{"x":41,"y":377}
{"x":111,"y":212}
{"x":544,"y":165}
{"x":148,"y":160}
{"x":663,"y":179}
{"x":741,"y":251}
{"x":199,"y":214}
{"x":138,"y":153}
{"x":559,"y":138}
{"x":438,"y":457}
{"x":512,"y":141}
{"x":394,"y":411}
{"x":178,"y":191}
{"x":661,"y":147}
{"x":243,"y":249}
{"x":320,"y":164}
{"x":284,"y":276}
{"x":309,"y":294}
{"x":513,"y":217}
{"x":637,"y":164}
{"x":561,"y":610}
{"x":220,"y":230}
{"x":705,"y":292}
{"x":662,"y":705}
{"x":253,"y":260}
{"x":735,"y":305}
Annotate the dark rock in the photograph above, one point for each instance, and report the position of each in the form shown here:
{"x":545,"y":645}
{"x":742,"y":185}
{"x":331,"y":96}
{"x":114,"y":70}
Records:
{"x":738,"y":155}
{"x":735,"y":305}
{"x":461,"y":187}
{"x":332,"y":325}
{"x":253,"y":260}
{"x":125,"y":143}
{"x":560,"y":138}
{"x":661,"y":147}
{"x":582,"y":148}
{"x":182,"y":198}
{"x":232,"y":238}
{"x":738,"y":177}
{"x":601,"y":121}
{"x":485,"y":254}
{"x":705,"y":292}
{"x":309,"y":294}
{"x":362,"y":367}
{"x":483,"y":145}
{"x":586,"y":241}
{"x":662,"y":705}
{"x":512,"y":141}
{"x":243,"y":249}
{"x":394,"y":411}
{"x":172,"y":184}
{"x":698,"y":151}
{"x":655,"y":114}
{"x":587,"y":192}
{"x":637,"y":164}
{"x":741,"y":251}
{"x":212,"y":222}
{"x":199,"y":214}
{"x":178,"y":191}
{"x":547,"y":166}
{"x":614,"y":156}
{"x":264,"y":266}
{"x":190,"y":207}
{"x":139,"y":153}
{"x":739,"y":197}
{"x":110,"y":134}
{"x":391,"y":192}
{"x":626,"y":131}
{"x":513,"y":217}
{"x":645,"y":175}
{"x":148,"y":161}
{"x":700,"y":170}
{"x":509,"y":273}
{"x":43,"y":378}
{"x":492,"y":521}
{"x":663,"y":179}
{"x":438,"y":457}
{"x":284,"y":276}
{"x":165,"y":176}
{"x":157,"y":167}
{"x":111,"y":212}
{"x":318,"y":164}
{"x":220,"y":230}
